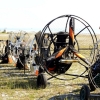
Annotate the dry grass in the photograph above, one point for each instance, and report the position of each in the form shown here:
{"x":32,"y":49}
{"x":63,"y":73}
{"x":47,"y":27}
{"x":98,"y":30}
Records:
{"x":22,"y":86}
{"x":4,"y":36}
{"x":14,"y":84}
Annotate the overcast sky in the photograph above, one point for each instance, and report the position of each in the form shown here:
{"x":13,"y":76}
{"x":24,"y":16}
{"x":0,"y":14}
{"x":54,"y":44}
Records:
{"x":35,"y":14}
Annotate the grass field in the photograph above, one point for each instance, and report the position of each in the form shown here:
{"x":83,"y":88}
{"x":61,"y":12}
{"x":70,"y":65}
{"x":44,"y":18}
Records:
{"x":17,"y":85}
{"x":14,"y":84}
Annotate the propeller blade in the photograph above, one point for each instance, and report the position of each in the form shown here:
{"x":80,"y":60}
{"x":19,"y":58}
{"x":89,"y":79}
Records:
{"x":71,"y":31}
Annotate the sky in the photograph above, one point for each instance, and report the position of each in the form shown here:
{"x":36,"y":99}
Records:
{"x":35,"y":14}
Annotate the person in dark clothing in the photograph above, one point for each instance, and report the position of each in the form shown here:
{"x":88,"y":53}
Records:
{"x":20,"y":62}
{"x":5,"y":56}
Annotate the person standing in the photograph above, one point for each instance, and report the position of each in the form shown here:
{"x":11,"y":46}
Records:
{"x":5,"y":58}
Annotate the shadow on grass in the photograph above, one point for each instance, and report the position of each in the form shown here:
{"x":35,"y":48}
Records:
{"x":65,"y":97}
{"x":18,"y":82}
{"x":74,"y":96}
{"x":29,"y":83}
{"x":12,"y":78}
